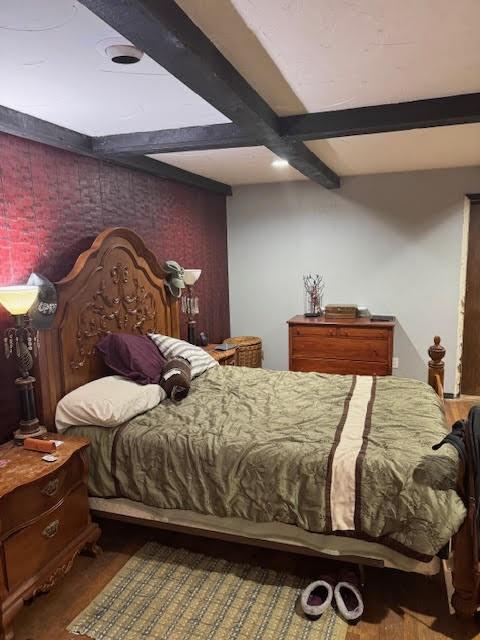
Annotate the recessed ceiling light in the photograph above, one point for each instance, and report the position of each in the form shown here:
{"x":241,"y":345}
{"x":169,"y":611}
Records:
{"x":280,"y":163}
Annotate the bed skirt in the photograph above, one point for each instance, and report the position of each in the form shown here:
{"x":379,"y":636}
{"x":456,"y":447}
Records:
{"x":336,"y":547}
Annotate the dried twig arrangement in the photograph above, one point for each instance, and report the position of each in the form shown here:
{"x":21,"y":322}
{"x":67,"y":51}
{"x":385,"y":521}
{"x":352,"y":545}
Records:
{"x":314,"y":286}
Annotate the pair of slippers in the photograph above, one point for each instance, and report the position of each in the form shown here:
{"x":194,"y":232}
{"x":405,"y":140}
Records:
{"x":343,"y":593}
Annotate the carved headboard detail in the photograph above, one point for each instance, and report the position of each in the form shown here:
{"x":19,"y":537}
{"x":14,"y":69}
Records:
{"x":115,"y":286}
{"x":120,"y":303}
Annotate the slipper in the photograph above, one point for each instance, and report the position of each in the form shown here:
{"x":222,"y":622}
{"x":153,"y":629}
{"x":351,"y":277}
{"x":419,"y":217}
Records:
{"x":348,"y":597}
{"x":316,"y":598}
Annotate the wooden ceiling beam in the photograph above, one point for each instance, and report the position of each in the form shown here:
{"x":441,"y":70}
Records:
{"x":166,"y":34}
{"x":169,"y":172}
{"x":434,"y":112}
{"x":202,"y":138}
{"x":402,"y":116}
{"x":22,"y":125}
{"x":31,"y":128}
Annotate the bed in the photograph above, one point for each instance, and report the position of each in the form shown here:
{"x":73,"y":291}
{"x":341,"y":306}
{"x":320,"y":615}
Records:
{"x":330,"y":465}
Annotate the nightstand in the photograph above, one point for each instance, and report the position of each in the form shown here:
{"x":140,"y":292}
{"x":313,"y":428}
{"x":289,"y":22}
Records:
{"x":222,"y":357}
{"x":45,"y":521}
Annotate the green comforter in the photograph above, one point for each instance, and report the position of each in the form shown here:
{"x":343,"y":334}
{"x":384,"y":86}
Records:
{"x":349,"y":455}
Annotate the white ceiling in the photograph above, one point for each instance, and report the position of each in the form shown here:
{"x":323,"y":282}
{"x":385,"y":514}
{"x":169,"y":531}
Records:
{"x":54,"y":67}
{"x":300,"y":55}
{"x":233,"y":166}
{"x":436,"y":148}
{"x":337,"y":54}
{"x":418,"y":149}
{"x":314,"y":55}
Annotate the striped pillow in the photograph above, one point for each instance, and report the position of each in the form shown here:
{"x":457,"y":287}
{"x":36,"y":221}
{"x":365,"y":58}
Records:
{"x":173,"y":348}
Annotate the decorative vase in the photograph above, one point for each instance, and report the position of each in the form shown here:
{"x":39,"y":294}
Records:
{"x":313,"y":286}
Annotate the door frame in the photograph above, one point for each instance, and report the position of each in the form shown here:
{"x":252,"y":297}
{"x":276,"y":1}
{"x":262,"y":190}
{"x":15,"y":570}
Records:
{"x":470,"y":199}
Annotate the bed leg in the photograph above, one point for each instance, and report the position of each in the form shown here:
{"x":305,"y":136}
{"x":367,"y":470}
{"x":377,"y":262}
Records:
{"x":466,"y":577}
{"x":447,"y":576}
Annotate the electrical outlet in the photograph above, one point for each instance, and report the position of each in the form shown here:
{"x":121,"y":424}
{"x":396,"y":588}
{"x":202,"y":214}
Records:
{"x":395,"y":363}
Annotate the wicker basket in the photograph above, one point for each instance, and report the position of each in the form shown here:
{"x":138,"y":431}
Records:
{"x":248,"y":352}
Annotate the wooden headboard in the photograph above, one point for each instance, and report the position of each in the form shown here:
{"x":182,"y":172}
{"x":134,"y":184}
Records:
{"x":115,"y":286}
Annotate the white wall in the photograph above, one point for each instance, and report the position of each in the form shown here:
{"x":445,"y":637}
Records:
{"x":391,"y":242}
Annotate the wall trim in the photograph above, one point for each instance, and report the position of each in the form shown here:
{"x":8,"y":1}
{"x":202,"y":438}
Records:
{"x":461,"y":293}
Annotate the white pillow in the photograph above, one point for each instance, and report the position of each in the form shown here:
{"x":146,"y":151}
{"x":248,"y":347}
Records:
{"x":169,"y":347}
{"x":106,"y":402}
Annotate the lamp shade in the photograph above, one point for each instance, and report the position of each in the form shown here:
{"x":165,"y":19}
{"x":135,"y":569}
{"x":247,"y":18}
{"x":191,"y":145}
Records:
{"x":18,"y":299}
{"x":190,"y":276}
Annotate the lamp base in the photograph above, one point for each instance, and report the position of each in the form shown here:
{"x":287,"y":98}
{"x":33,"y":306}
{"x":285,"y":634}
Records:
{"x":29,"y":425}
{"x":192,"y":332}
{"x":20,"y":435}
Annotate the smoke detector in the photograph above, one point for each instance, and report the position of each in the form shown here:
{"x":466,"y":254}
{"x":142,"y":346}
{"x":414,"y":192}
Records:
{"x":123,"y":53}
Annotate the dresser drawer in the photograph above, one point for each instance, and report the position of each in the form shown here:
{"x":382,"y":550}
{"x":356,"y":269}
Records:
{"x":341,"y":348}
{"x":29,"y":501}
{"x":343,"y":367}
{"x":363,"y":332}
{"x":311,"y":332}
{"x":31,"y":548}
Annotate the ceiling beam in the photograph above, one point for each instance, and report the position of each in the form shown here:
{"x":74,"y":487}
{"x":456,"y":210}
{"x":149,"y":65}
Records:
{"x":31,"y":128}
{"x":434,"y":112}
{"x":418,"y":114}
{"x":165,"y":33}
{"x":22,"y":125}
{"x":203,"y":138}
{"x":169,"y":172}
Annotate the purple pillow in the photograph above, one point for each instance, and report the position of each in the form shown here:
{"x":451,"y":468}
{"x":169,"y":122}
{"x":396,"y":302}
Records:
{"x":134,"y":357}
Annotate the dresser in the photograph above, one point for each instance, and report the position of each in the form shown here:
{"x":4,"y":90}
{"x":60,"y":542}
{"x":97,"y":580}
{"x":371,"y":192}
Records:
{"x":358,"y":346}
{"x":45,"y":521}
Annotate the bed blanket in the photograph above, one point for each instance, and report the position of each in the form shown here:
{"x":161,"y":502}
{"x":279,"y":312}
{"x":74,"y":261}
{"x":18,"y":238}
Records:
{"x":349,"y":455}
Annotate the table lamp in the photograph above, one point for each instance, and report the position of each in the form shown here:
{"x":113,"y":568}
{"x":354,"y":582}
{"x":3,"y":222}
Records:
{"x":190,"y":302}
{"x":22,"y":339}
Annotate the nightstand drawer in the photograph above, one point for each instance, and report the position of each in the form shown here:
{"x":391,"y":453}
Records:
{"x":31,"y":548}
{"x":30,"y":501}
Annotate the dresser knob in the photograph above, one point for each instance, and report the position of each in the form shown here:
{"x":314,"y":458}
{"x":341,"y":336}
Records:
{"x":51,"y":488}
{"x":51,"y":529}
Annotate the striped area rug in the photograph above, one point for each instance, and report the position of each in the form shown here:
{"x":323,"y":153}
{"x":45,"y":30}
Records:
{"x":172,"y":594}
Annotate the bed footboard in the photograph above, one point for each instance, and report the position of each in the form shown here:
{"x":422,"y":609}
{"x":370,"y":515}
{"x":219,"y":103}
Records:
{"x":466,"y":568}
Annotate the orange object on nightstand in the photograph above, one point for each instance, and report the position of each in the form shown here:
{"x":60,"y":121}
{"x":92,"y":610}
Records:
{"x":45,"y":446}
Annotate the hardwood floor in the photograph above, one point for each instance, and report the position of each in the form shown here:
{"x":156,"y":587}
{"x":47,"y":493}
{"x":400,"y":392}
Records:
{"x":398,"y":606}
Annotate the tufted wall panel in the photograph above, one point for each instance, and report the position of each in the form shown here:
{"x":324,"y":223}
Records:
{"x":53,"y":203}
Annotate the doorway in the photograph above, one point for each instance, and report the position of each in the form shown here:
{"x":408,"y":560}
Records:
{"x":470,"y":381}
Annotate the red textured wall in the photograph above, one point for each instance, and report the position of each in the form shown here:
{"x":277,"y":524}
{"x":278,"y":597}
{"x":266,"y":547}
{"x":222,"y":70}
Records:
{"x":54,"y":203}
